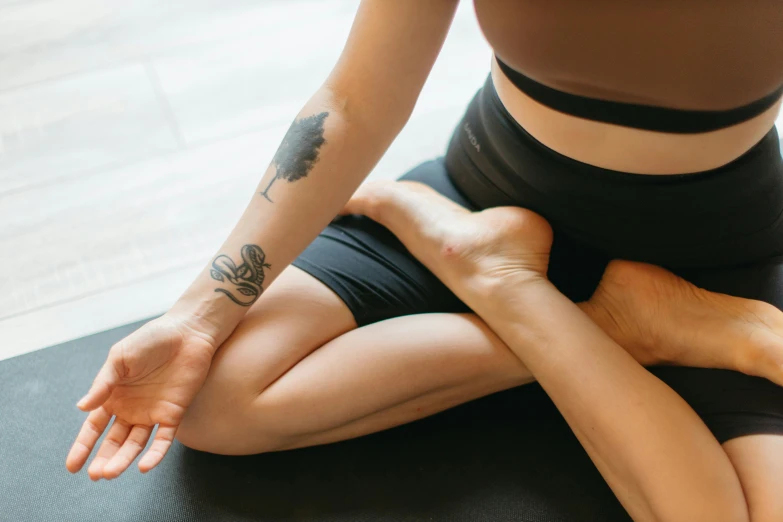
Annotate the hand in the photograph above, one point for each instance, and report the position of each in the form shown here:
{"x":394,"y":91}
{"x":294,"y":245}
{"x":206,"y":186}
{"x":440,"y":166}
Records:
{"x":149,"y":378}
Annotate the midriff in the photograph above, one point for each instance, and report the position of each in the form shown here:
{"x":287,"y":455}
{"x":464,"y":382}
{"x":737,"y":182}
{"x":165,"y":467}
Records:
{"x":628,"y":149}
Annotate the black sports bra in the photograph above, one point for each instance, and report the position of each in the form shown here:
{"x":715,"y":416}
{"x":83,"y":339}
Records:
{"x":646,"y":117}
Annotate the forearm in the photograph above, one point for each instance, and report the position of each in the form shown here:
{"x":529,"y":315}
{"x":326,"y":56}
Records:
{"x":325,"y":155}
{"x":653,"y":450}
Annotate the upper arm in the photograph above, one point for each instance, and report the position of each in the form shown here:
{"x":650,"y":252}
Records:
{"x":388,"y":56}
{"x":758,"y":460}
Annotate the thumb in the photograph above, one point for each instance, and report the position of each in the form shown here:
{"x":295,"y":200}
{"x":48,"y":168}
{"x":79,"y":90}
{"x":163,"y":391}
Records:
{"x":101,"y":388}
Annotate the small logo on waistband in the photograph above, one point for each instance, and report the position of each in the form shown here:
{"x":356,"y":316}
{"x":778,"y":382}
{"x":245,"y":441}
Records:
{"x":472,"y":137}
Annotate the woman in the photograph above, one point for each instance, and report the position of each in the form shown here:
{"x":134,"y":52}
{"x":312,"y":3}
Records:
{"x":647,"y":135}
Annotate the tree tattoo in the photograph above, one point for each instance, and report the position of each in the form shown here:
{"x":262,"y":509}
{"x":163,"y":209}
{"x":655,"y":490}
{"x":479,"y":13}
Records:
{"x":247,"y":279}
{"x":298,"y":152}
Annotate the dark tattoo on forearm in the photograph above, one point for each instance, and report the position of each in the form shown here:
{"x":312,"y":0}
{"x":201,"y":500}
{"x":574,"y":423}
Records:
{"x":298,"y":153}
{"x":246,"y":280}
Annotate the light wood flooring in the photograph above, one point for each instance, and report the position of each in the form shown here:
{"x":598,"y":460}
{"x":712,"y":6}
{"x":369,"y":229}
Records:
{"x":132,"y":133}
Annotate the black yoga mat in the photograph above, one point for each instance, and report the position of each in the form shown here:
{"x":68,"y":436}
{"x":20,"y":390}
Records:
{"x":508,"y":457}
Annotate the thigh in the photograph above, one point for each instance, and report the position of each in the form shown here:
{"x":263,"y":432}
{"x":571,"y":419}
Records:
{"x":294,"y":316}
{"x":758,"y":460}
{"x":755,"y":420}
{"x":372,"y":271}
{"x":733,"y":404}
{"x":354,"y":274}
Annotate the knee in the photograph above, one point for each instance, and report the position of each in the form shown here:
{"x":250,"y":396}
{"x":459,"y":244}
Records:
{"x":211,"y":432}
{"x":233,"y":430}
{"x":233,"y":422}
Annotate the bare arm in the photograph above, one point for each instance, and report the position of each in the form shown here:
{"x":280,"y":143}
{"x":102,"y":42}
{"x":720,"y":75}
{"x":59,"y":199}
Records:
{"x":151,"y":377}
{"x":336,"y":139}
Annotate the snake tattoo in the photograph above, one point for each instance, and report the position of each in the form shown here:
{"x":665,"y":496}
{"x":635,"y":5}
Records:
{"x":247,"y":278}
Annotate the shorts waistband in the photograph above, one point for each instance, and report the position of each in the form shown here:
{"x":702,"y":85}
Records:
{"x":687,"y":219}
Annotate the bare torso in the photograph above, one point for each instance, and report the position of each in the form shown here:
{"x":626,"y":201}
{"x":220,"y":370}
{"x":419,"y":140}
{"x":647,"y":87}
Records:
{"x":706,"y":56}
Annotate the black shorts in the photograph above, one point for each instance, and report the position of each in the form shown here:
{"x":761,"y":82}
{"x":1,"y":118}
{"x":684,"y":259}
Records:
{"x":722,"y":230}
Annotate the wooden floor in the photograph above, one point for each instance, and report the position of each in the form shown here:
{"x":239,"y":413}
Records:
{"x":133,"y":133}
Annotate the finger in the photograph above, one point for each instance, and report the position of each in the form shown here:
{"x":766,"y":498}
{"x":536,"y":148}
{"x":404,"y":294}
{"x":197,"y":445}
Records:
{"x":164,"y":437}
{"x":91,"y":431}
{"x":130,"y":449}
{"x":101,"y":387}
{"x":111,"y":444}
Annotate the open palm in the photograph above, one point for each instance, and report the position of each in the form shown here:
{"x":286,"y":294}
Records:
{"x":149,"y":378}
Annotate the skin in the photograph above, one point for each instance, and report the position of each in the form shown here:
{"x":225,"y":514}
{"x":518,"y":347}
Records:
{"x":660,"y":459}
{"x":198,"y":372}
{"x":626,"y":149}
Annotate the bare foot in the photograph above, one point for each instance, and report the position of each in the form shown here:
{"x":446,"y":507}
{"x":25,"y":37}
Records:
{"x":655,"y":315}
{"x":661,"y":318}
{"x":460,"y":247}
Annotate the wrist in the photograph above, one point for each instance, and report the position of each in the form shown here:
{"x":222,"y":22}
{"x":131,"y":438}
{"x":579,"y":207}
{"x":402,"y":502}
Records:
{"x":207,"y":313}
{"x":193,"y":324}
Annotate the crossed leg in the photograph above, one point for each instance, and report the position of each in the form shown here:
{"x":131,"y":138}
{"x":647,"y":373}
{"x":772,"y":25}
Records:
{"x":297,"y":371}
